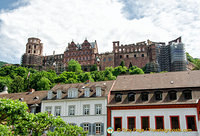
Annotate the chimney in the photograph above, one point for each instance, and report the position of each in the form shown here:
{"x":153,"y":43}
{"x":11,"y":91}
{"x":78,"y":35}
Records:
{"x":31,"y":90}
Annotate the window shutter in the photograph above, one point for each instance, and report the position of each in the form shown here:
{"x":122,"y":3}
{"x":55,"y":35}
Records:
{"x":94,"y":129}
{"x":102,"y":129}
{"x":90,"y":129}
{"x":81,"y":125}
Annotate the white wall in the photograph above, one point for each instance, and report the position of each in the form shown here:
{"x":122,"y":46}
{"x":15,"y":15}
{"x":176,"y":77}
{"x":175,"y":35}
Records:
{"x":79,"y":118}
{"x":181,"y":112}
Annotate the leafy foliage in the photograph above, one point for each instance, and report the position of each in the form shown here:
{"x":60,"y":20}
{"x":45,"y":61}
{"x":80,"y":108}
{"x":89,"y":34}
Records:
{"x":195,"y":61}
{"x":74,"y":66}
{"x":2,"y":63}
{"x":15,"y":118}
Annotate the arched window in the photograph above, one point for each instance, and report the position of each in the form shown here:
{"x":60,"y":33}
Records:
{"x":158,"y":95}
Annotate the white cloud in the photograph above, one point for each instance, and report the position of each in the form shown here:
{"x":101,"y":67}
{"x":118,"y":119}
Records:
{"x":57,"y":23}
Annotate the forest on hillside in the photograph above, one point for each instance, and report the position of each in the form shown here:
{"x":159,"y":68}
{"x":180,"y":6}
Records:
{"x":20,"y":79}
{"x":2,"y":63}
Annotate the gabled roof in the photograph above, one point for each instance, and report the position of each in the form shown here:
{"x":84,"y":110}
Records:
{"x":158,"y":81}
{"x":29,"y":98}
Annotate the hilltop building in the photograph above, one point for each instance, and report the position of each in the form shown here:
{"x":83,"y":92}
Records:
{"x":155,"y":56}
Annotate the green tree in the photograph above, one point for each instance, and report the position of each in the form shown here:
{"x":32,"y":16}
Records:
{"x":4,"y":131}
{"x":119,"y":70}
{"x":43,"y":84}
{"x":122,"y":63}
{"x":137,"y":71}
{"x":93,"y":67}
{"x":74,"y":66}
{"x":5,"y":81}
{"x":17,"y":85}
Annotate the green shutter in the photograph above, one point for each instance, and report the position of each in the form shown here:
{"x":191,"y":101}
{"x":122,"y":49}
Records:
{"x":102,"y":129}
{"x":90,"y":129}
{"x":94,"y":129}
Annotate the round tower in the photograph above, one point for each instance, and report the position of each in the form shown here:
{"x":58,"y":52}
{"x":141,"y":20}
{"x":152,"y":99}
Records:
{"x":34,"y":46}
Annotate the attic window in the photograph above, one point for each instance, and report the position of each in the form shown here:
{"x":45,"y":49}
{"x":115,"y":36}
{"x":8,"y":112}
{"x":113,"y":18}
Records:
{"x":98,"y":91}
{"x":145,"y":96}
{"x":36,"y":98}
{"x":187,"y":94}
{"x":21,"y":99}
{"x":158,"y":95}
{"x":72,"y":93}
{"x":172,"y":95}
{"x":118,"y":97}
{"x":59,"y":94}
{"x":131,"y":97}
{"x":87,"y":92}
{"x":49,"y":96}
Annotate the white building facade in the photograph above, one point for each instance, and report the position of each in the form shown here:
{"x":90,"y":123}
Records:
{"x":80,"y":104}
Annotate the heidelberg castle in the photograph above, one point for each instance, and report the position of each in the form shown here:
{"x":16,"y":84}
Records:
{"x":155,"y":55}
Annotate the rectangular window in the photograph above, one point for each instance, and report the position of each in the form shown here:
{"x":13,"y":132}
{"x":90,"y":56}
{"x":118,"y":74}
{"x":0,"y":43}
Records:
{"x":57,"y":110}
{"x":71,"y":110}
{"x":131,"y":123}
{"x":98,"y":91}
{"x":175,"y":124}
{"x":117,"y":123}
{"x":87,"y":92}
{"x":98,"y":109}
{"x":48,"y":109}
{"x":145,"y":123}
{"x":86,"y":127}
{"x":159,"y":122}
{"x":98,"y":128}
{"x":144,"y":96}
{"x":191,"y":122}
{"x":86,"y":109}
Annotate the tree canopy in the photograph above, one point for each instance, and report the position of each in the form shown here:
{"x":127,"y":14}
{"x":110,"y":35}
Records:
{"x":16,"y":120}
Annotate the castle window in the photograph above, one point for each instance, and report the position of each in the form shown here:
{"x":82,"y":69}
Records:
{"x":135,"y":55}
{"x":29,"y":46}
{"x":131,"y":97}
{"x":143,"y":49}
{"x":142,"y":55}
{"x":35,"y":46}
{"x":135,"y":49}
{"x":34,"y":51}
{"x":120,"y":56}
{"x":172,"y":95}
{"x":139,"y":49}
{"x":29,"y":51}
{"x":110,"y":59}
{"x":145,"y":96}
{"x":127,"y":56}
{"x":118,"y":97}
{"x":187,"y":94}
{"x":158,"y":95}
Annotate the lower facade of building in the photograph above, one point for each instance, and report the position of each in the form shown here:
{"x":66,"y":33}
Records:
{"x":176,"y":120}
{"x":90,"y":114}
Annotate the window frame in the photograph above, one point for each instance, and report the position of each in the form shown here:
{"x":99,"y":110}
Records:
{"x":86,"y":106}
{"x":194,"y":121}
{"x":129,"y":96}
{"x":56,"y":110}
{"x":171,"y":121}
{"x":134,"y":121}
{"x":98,"y":91}
{"x":148,"y":122}
{"x":114,"y":123}
{"x":172,"y":92}
{"x":87,"y":92}
{"x":185,"y":92}
{"x":86,"y":126}
{"x":162,"y":123}
{"x":96,"y":109}
{"x":158,"y":93}
{"x":98,"y":127}
{"x":116,"y":96}
{"x":69,"y":108}
{"x":145,"y":93}
{"x":50,"y":107}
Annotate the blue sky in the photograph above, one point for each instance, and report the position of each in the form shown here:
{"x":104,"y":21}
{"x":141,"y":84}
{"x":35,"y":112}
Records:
{"x":128,"y":21}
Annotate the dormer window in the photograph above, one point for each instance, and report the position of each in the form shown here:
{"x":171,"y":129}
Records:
{"x":187,"y":94}
{"x":131,"y":97}
{"x":118,"y":97}
{"x":98,"y":91}
{"x":172,"y":95}
{"x":87,"y":92}
{"x":145,"y":96}
{"x":59,"y":94}
{"x":158,"y":95}
{"x":49,"y":96}
{"x":21,"y":99}
{"x":36,"y":98}
{"x":73,"y":93}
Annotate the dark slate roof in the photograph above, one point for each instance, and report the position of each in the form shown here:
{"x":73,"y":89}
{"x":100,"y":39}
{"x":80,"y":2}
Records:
{"x":158,"y":81}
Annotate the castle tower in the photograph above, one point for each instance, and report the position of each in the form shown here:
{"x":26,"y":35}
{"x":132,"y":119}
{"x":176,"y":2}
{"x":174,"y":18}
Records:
{"x":33,"y":54}
{"x":34,"y":46}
